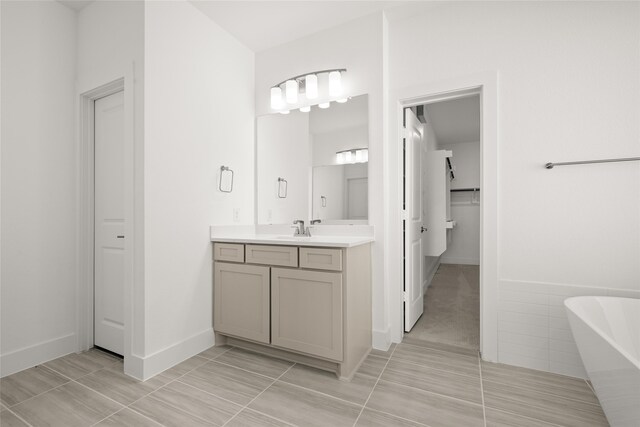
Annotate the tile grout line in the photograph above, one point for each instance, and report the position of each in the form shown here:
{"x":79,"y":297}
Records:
{"x":484,"y":411}
{"x":434,"y":368}
{"x":375,"y":385}
{"x":46,"y":391}
{"x":259,"y":394}
{"x":546,"y":423}
{"x":19,"y":417}
{"x":398,"y":416}
{"x":146,"y":395}
{"x":546,"y":393}
{"x":229,"y":401}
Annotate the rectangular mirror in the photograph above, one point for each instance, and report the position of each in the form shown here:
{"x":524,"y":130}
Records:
{"x":314,"y":165}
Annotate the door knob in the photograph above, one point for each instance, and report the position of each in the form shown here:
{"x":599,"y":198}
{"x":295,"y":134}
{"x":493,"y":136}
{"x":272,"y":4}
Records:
{"x":423,"y":229}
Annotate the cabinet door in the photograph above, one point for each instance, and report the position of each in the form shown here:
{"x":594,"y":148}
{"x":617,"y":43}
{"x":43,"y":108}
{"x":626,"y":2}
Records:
{"x":241,"y":301}
{"x":306,"y":311}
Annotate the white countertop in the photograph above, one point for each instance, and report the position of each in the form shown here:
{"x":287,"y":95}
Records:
{"x":249,"y":235}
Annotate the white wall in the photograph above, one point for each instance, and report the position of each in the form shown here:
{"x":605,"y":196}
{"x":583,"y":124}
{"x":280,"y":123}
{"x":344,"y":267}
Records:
{"x":199,"y":115}
{"x":283,"y":151}
{"x":357,"y":46}
{"x":110,"y":47}
{"x":463,"y":245}
{"x":568,"y":90}
{"x":38,"y":184}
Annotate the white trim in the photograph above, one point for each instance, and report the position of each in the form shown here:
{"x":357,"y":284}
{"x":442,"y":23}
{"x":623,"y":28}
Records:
{"x":455,"y":260}
{"x":381,"y":340}
{"x":36,"y":354}
{"x":143,"y":368}
{"x":85,"y":197}
{"x":487,"y":85}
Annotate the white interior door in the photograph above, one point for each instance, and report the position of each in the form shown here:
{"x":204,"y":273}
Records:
{"x":413,"y":262}
{"x":109,"y":223}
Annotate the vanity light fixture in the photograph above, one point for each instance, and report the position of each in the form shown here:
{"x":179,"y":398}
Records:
{"x":335,"y":83}
{"x":355,"y":155}
{"x":311,"y":86}
{"x":276,"y":98}
{"x":291,"y":88}
{"x":307,"y":86}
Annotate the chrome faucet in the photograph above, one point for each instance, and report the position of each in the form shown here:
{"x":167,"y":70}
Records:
{"x":300,"y":229}
{"x":315,"y":221}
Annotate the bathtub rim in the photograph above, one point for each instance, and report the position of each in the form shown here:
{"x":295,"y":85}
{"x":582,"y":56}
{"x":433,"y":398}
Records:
{"x":569,"y":304}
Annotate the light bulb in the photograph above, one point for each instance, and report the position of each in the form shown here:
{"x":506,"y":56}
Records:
{"x":324,"y":105}
{"x":342,"y":101}
{"x":305,"y":109}
{"x":291,"y":87}
{"x":311,"y":86}
{"x":347,"y":157}
{"x":276,"y":97}
{"x":284,"y":112}
{"x":335,"y":83}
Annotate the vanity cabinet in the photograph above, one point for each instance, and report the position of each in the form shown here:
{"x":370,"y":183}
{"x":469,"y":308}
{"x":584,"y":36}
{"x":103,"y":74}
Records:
{"x":304,"y":304}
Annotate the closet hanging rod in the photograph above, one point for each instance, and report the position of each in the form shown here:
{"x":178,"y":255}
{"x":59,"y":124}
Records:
{"x":464,"y":189}
{"x":584,"y":162}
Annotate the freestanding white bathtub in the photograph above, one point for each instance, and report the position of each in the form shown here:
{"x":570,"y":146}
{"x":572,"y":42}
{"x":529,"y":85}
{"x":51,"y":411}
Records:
{"x":607,"y":332}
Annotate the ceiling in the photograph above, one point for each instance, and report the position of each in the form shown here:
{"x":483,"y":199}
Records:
{"x":261,"y":25}
{"x":455,"y":121}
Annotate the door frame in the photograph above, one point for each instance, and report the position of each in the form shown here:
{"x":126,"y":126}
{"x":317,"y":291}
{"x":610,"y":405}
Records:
{"x":486,"y":85}
{"x":86,"y":212}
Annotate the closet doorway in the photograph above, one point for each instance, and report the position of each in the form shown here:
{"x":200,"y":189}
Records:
{"x":444,"y":184}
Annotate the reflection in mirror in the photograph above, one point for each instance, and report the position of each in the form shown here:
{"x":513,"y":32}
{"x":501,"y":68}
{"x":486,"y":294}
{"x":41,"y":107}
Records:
{"x":303,"y":148}
{"x":340,"y":192}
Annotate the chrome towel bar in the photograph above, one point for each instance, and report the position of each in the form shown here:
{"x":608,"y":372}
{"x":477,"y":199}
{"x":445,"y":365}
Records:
{"x":584,"y":162}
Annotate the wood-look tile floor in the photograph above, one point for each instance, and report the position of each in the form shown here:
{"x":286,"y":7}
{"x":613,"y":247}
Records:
{"x":415,"y":383}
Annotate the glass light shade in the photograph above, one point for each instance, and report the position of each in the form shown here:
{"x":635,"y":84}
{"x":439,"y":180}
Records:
{"x":276,"y":97}
{"x":365,"y":155}
{"x":305,"y":109}
{"x":291,"y":88}
{"x":311,"y":86}
{"x":359,"y":156}
{"x":284,"y":112}
{"x":348,"y":157}
{"x":342,"y":101}
{"x":340,"y":158}
{"x":335,"y":83}
{"x":324,"y":105}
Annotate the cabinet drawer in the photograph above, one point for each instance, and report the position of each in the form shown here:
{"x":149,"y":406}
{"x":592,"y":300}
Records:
{"x":285,"y":256}
{"x":321,"y":259}
{"x":228,"y":252}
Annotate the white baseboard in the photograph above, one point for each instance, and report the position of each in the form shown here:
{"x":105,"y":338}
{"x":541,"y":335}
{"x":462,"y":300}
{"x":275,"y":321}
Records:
{"x":28,"y":357}
{"x":149,"y":366}
{"x":381,"y":340}
{"x":454,"y":260}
